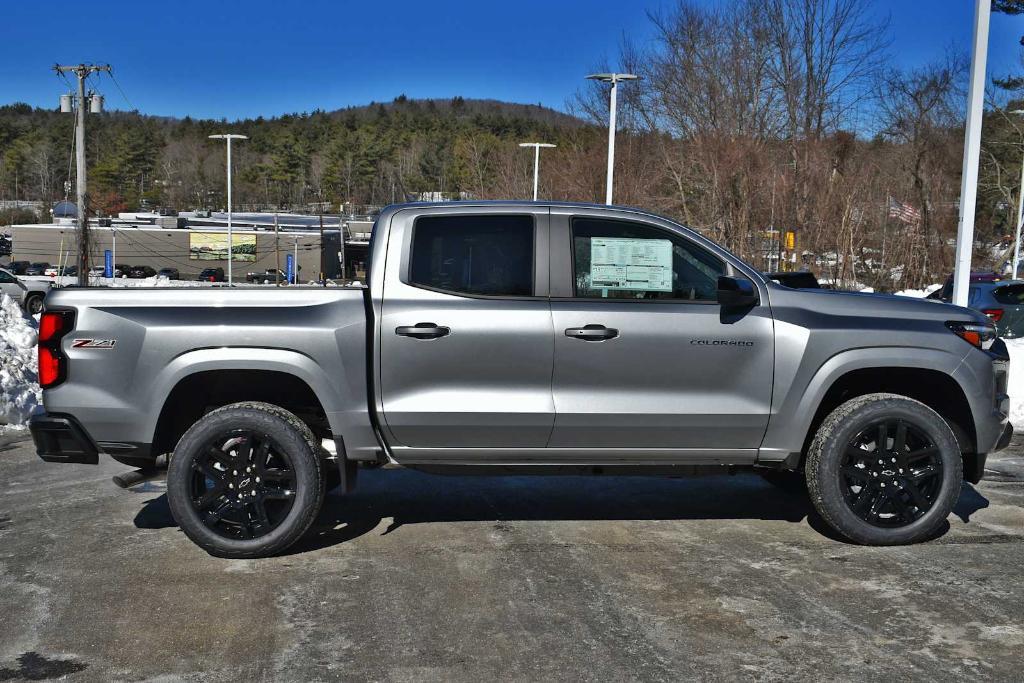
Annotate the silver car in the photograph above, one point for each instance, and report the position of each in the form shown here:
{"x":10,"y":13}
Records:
{"x":29,"y":294}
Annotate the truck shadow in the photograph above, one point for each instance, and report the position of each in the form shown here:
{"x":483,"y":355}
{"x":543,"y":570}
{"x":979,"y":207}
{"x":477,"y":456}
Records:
{"x":403,"y":497}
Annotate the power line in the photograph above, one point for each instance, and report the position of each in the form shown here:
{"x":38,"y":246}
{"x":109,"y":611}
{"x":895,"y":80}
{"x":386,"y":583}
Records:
{"x":120,"y":90}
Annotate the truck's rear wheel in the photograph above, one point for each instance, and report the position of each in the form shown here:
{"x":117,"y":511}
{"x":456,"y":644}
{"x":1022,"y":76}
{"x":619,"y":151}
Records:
{"x":884,"y":469}
{"x":246,"y":480}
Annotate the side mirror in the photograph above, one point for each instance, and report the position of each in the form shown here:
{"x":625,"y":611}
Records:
{"x":734,"y":292}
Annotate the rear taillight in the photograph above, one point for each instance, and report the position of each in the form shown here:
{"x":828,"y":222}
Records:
{"x":994,"y":314}
{"x":978,"y":335}
{"x":53,"y":364}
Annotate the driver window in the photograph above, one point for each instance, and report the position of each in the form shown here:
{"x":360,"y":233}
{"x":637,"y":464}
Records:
{"x":616,"y":259}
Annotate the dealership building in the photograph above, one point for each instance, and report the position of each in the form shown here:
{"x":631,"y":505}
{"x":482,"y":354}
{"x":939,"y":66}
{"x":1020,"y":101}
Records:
{"x":193,"y":242}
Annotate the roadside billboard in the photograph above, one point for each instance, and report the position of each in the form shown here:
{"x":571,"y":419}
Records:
{"x":213,"y":246}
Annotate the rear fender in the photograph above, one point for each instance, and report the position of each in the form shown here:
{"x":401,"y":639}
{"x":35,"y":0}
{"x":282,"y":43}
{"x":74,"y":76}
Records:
{"x":249,"y":358}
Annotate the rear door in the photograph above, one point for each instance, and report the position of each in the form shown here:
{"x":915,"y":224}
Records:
{"x":465,"y":352}
{"x":645,"y":358}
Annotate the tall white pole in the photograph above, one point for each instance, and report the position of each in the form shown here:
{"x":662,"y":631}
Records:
{"x":113,"y":254}
{"x":230,"y":244}
{"x":1020,"y":219}
{"x":536,"y":169}
{"x":295,"y":273}
{"x":972,"y":154}
{"x":611,"y":144}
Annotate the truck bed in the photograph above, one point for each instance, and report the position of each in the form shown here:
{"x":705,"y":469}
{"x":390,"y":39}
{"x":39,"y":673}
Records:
{"x":144,"y":342}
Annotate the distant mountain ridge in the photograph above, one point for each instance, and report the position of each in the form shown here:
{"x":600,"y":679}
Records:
{"x":461,"y":108}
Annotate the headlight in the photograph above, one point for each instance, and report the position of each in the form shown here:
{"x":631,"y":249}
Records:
{"x":978,"y":335}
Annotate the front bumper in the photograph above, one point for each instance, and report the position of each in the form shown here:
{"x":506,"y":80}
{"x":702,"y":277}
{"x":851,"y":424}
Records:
{"x":59,"y":438}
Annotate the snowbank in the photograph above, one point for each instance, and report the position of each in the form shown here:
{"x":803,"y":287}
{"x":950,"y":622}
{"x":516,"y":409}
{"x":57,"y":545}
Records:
{"x":1016,"y":385}
{"x":918,"y":293}
{"x":19,"y":390}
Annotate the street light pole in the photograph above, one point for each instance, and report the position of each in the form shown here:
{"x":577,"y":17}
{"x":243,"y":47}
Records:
{"x":536,"y":161}
{"x":229,"y":137}
{"x":614,"y":79}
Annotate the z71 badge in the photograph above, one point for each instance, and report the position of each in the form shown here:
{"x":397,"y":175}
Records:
{"x":93,"y":343}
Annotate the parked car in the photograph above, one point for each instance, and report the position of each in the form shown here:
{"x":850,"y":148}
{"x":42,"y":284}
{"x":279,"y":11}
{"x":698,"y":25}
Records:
{"x":524,"y":337}
{"x":267,"y":277}
{"x":945,"y":293}
{"x":97,"y":271}
{"x":1002,"y":301}
{"x":800,"y":279}
{"x":18,"y":267}
{"x":169,"y":273}
{"x":51,"y":271}
{"x":28,"y":293}
{"x":69,"y":271}
{"x":211,"y":275}
{"x":38,"y":268}
{"x":122,"y":269}
{"x":140,"y":272}
{"x":6,"y":245}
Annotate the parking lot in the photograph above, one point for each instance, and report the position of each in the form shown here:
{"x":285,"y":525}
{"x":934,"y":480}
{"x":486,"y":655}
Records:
{"x":425,"y":577}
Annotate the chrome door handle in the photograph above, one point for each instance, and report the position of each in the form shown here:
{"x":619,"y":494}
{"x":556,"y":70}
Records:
{"x":423,"y":331}
{"x":592,"y":332}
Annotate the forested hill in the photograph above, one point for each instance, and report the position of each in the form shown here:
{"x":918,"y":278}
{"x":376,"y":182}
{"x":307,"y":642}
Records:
{"x":371,"y":154}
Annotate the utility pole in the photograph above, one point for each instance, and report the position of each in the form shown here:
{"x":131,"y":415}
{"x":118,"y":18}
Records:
{"x":82,"y":71}
{"x":323,"y":264}
{"x":341,"y":246}
{"x":277,"y":251}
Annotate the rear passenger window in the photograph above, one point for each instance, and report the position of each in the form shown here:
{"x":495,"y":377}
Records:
{"x":624,"y":260}
{"x":1011,"y":295}
{"x":483,"y":255}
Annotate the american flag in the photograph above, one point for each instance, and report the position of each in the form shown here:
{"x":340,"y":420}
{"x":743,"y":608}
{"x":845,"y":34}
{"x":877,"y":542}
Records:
{"x":903,"y":212}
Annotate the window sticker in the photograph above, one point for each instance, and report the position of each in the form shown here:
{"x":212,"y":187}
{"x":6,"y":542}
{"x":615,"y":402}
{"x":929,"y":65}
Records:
{"x":632,"y":264}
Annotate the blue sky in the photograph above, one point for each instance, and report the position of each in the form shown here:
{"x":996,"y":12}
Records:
{"x":265,"y":57}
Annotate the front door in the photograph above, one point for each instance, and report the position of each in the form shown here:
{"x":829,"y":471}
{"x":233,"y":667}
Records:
{"x":466,"y":336}
{"x":10,"y":286}
{"x":645,"y":357}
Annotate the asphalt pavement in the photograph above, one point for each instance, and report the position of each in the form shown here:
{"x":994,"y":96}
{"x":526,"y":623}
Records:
{"x":426,"y":577}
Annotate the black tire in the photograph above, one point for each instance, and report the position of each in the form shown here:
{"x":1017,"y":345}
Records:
{"x":234,"y":512}
{"x":890,"y":487}
{"x":34,"y":304}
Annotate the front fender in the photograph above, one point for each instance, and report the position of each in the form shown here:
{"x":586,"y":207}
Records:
{"x":797,"y":398}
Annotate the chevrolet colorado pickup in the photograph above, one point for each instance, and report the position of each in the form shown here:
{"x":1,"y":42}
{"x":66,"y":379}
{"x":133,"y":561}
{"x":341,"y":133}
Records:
{"x":524,"y":337}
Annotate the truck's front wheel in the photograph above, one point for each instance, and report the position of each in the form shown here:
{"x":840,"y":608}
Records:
{"x":884,"y":469}
{"x":246,"y":480}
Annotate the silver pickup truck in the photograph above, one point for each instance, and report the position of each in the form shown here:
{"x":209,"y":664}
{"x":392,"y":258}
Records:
{"x":524,"y":337}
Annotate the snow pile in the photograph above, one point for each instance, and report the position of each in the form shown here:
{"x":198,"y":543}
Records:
{"x":919,"y":293}
{"x":1016,"y":384}
{"x":19,"y":388}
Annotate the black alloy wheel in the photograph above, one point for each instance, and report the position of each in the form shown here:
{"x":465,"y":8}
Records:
{"x":891,"y":473}
{"x":246,"y":480}
{"x":243,"y":484}
{"x":884,"y":469}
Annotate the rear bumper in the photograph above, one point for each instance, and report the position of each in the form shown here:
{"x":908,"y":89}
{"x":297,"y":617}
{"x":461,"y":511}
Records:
{"x":59,"y":438}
